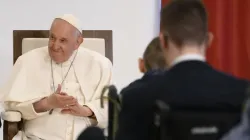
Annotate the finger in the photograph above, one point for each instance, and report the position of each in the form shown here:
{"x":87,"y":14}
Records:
{"x":67,"y":105}
{"x":66,"y":111}
{"x":70,"y":103}
{"x":72,"y":107}
{"x":63,"y":93}
{"x":66,"y":102}
{"x":67,"y":98}
{"x":58,"y":90}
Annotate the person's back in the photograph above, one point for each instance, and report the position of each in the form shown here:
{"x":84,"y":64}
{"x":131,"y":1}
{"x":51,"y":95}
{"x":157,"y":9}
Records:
{"x":189,"y":83}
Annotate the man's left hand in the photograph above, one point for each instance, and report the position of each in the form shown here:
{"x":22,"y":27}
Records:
{"x":78,"y":110}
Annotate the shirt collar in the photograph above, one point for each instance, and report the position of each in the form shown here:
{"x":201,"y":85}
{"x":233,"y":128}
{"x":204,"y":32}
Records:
{"x":188,"y":57}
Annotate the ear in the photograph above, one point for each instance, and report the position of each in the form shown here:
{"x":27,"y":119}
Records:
{"x":162,"y":41}
{"x":141,"y":65}
{"x":210,"y":39}
{"x":79,"y":42}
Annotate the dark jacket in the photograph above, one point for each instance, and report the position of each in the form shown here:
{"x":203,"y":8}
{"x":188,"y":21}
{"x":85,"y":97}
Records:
{"x":189,"y":84}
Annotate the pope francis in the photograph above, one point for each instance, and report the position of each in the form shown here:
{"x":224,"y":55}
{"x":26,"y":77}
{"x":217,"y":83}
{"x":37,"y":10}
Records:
{"x":57,"y":88}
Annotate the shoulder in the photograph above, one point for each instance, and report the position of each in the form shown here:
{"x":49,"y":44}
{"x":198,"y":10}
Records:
{"x":149,"y":78}
{"x":143,"y":87}
{"x":32,"y":56}
{"x":141,"y":95}
{"x":153,"y":74}
{"x":230,"y":80}
{"x":94,"y":57}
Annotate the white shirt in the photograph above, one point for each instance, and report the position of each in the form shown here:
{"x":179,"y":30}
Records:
{"x":188,"y":57}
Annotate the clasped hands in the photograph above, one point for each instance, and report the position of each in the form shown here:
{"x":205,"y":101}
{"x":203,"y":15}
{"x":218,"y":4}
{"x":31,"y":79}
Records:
{"x":68,"y":104}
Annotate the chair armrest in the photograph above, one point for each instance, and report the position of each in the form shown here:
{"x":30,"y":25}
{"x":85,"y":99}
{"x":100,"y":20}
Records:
{"x":11,"y":116}
{"x":12,"y":124}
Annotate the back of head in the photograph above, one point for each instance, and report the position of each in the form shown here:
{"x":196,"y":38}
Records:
{"x":184,"y":22}
{"x":153,"y":56}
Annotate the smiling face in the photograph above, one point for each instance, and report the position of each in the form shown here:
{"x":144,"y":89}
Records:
{"x":64,"y":39}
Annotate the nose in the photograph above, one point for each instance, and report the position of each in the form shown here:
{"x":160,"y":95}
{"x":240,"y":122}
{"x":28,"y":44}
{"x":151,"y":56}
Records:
{"x":55,"y":46}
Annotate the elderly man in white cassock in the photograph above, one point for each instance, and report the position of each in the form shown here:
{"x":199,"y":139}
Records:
{"x":57,"y":88}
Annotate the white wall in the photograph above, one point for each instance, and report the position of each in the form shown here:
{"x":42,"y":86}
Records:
{"x":134,"y":24}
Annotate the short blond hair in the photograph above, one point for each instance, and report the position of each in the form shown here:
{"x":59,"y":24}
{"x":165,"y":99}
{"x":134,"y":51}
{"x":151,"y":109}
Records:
{"x":153,"y":56}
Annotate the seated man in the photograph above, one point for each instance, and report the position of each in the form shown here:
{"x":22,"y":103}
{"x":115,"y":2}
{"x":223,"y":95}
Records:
{"x":153,"y":60}
{"x":189,"y":83}
{"x":57,"y":88}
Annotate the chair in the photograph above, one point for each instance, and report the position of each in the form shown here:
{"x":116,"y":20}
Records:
{"x":114,"y":108}
{"x":26,"y":40}
{"x":191,"y":124}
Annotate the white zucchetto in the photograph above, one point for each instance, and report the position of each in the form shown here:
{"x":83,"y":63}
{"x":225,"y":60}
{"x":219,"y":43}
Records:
{"x":71,"y":20}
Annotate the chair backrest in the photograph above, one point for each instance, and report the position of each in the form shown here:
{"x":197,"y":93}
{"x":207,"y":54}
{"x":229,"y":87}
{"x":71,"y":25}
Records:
{"x":98,"y":40}
{"x":95,"y":44}
{"x":194,"y":125}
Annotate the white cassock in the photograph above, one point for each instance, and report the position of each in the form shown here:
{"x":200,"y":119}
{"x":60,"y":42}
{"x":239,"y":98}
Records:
{"x":31,"y":80}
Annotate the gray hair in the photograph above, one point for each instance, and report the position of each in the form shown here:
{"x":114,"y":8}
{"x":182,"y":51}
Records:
{"x":77,"y":33}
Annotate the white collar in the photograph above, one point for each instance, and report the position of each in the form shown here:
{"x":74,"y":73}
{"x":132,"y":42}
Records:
{"x":188,"y":57}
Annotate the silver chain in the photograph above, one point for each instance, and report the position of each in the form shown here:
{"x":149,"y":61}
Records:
{"x":52,"y":74}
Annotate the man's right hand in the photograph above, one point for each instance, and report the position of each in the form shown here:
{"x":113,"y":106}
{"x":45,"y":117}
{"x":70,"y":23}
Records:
{"x":60,"y":100}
